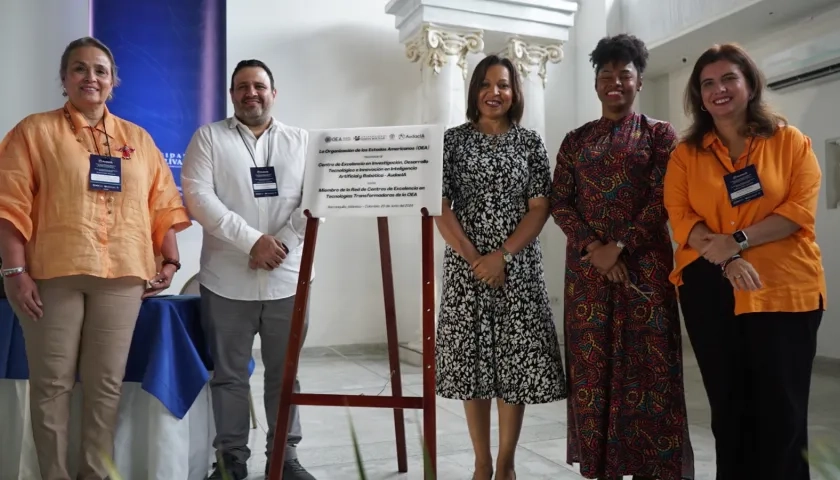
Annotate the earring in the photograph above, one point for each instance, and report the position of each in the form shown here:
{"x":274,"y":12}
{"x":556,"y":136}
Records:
{"x":703,"y":107}
{"x":63,"y":92}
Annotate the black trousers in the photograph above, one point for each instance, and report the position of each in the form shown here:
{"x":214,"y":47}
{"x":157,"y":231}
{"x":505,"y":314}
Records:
{"x":757,"y":372}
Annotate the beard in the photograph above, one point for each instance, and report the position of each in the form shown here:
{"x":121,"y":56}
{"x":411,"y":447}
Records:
{"x":252,"y":115}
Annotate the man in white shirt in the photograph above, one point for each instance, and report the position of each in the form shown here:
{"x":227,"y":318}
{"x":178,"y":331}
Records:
{"x":242,"y":180}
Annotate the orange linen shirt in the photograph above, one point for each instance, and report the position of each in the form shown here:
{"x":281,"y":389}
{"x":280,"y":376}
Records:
{"x":71,"y":229}
{"x":790,"y":269}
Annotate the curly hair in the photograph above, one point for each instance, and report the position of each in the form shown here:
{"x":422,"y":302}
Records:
{"x":622,"y":48}
{"x":761,"y":119}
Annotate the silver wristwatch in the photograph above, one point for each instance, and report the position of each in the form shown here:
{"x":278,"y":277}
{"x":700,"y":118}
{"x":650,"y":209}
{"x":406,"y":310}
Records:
{"x":506,"y":255}
{"x":741,"y":239}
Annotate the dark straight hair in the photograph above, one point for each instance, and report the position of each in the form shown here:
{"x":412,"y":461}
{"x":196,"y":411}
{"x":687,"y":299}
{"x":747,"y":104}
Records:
{"x":517,"y":107}
{"x":248,"y":64}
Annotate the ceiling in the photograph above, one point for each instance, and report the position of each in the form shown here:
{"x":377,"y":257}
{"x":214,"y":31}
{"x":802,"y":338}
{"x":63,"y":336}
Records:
{"x":744,"y":26}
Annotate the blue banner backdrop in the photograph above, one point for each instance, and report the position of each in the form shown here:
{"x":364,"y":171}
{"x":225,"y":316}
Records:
{"x":172,"y":62}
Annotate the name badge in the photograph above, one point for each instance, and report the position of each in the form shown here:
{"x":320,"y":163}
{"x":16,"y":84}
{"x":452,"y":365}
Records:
{"x":105,"y":173}
{"x":264,"y":181}
{"x":743,"y":186}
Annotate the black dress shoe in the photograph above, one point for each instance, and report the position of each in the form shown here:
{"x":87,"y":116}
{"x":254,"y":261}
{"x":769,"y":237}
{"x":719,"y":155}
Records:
{"x":292,"y":470}
{"x":229,"y":468}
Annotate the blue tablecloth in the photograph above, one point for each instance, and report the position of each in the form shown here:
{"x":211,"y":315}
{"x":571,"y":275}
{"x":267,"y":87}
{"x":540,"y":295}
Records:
{"x":168,"y":354}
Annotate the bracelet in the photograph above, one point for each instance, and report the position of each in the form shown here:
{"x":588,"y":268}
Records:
{"x":730,"y":260}
{"x":174,"y":263}
{"x":12,"y":272}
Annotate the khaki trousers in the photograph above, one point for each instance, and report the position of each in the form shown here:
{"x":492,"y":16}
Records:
{"x":88,"y":323}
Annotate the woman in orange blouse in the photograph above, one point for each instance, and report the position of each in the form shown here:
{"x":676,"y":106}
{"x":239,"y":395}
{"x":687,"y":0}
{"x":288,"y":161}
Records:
{"x":86,"y":203}
{"x":741,"y":192}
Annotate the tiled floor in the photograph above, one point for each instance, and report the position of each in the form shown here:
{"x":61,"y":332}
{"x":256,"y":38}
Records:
{"x":327,"y":452}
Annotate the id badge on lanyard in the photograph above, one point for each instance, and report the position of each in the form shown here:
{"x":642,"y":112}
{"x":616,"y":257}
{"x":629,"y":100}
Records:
{"x":105,"y":173}
{"x":743,"y":185}
{"x":264,"y":182}
{"x":263,"y":179}
{"x":105,"y":170}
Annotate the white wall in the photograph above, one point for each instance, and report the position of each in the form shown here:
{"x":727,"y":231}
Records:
{"x":657,"y":20}
{"x":560,"y":118}
{"x":813,"y":109}
{"x":33,"y":34}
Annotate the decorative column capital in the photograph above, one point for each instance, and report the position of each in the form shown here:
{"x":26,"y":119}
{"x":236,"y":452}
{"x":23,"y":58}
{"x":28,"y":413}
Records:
{"x":434,"y":45}
{"x":529,"y":56}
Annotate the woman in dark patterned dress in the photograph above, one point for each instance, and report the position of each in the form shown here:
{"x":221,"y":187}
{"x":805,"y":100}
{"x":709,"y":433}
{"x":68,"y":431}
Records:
{"x":496,"y":334}
{"x":626,"y":408}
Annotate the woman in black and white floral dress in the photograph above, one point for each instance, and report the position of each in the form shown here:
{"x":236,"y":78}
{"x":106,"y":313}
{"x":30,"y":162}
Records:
{"x":496,"y":334}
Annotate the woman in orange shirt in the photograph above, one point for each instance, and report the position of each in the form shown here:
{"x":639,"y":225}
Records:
{"x":86,"y":203}
{"x":741,"y":192}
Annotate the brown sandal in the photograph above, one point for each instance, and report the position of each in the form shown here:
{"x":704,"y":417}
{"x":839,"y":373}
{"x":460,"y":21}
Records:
{"x":475,"y":478}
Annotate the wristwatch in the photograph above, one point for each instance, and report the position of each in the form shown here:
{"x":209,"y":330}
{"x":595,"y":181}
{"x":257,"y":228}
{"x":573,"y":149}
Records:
{"x":741,"y":239}
{"x":506,"y":255}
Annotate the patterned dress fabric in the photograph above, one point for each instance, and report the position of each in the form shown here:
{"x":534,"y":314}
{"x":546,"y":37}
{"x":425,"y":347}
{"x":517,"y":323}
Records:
{"x":496,"y":343}
{"x":626,"y":408}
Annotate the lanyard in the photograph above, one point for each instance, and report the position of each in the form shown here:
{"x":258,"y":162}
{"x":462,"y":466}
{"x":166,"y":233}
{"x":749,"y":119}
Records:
{"x":749,"y":152}
{"x":92,"y":136}
{"x":251,"y":152}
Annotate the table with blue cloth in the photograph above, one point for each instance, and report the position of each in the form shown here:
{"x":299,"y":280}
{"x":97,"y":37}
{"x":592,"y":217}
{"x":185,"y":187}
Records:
{"x":168,"y":360}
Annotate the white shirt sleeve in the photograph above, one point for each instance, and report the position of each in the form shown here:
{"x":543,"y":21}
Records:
{"x":293,"y":232}
{"x":201,"y":199}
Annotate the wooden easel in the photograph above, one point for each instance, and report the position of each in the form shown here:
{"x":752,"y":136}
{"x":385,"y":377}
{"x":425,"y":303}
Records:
{"x":396,"y":401}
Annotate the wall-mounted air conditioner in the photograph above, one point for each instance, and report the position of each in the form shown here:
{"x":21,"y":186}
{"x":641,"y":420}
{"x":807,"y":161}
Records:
{"x":803,"y":62}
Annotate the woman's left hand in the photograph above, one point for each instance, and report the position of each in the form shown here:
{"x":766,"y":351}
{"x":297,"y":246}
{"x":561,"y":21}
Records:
{"x":719,"y":248}
{"x":489,"y":267}
{"x":742,"y":275}
{"x":619,"y":273}
{"x":161,"y":281}
{"x":603,"y":258}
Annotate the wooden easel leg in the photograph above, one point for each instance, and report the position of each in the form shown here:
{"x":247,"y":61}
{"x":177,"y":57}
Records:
{"x":393,"y":339}
{"x":429,"y":408}
{"x":293,"y":350}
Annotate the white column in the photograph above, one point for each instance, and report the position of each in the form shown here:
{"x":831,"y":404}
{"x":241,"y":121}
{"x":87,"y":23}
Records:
{"x":590,"y":27}
{"x":442,"y":55}
{"x":530,"y":59}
